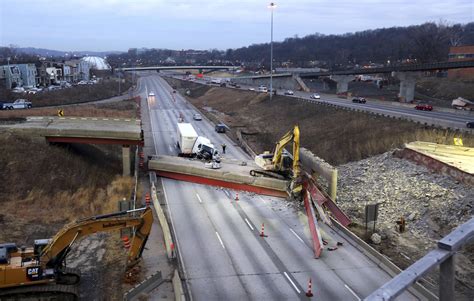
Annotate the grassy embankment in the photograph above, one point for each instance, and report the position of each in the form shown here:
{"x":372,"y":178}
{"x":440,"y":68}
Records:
{"x":336,"y":135}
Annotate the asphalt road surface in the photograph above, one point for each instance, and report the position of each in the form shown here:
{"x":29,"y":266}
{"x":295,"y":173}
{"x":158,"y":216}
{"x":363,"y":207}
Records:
{"x":223,"y":256}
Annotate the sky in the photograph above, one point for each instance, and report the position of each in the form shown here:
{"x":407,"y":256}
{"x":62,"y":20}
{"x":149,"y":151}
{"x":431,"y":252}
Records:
{"x":103,"y":25}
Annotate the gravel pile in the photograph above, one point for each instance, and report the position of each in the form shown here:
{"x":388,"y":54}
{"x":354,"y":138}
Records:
{"x":432,"y":205}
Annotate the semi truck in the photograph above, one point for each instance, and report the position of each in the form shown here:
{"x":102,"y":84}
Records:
{"x":190,"y":144}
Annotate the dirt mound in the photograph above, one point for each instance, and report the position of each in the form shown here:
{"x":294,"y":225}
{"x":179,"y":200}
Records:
{"x":446,"y":88}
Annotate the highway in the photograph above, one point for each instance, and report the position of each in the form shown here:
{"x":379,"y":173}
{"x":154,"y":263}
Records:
{"x":222,"y":254}
{"x":441,"y":118}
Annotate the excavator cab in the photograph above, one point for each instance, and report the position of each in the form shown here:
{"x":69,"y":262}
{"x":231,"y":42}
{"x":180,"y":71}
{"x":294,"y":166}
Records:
{"x":39,"y":245}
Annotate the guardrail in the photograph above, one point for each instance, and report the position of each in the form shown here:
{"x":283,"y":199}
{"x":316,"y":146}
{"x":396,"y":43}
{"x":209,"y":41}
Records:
{"x":442,"y":256}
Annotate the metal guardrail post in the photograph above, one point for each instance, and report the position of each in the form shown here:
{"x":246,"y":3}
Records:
{"x":446,"y":280}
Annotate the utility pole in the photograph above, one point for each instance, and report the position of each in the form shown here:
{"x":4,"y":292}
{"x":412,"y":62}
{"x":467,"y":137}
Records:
{"x":271,"y":6}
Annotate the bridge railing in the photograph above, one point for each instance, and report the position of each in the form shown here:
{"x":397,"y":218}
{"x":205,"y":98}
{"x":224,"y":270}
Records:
{"x":443,"y":255}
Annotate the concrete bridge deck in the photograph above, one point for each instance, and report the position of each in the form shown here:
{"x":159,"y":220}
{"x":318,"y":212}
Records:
{"x":92,"y":130}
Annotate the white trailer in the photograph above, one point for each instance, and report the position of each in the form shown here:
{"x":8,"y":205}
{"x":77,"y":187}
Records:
{"x":190,"y":144}
{"x":187,"y":136}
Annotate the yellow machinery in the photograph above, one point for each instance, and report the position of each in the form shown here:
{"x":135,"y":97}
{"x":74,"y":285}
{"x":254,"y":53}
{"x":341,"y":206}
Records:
{"x":41,"y":272}
{"x":278,"y":165}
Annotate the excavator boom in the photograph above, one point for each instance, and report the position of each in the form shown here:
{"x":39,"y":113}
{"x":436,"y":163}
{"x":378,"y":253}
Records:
{"x":40,"y":271}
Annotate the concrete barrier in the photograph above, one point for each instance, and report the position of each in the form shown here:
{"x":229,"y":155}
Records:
{"x":315,"y":165}
{"x":163,"y":222}
{"x":178,"y":287}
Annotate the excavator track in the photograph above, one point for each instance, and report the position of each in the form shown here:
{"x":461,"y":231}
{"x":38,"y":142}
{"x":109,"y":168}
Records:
{"x":45,"y":292}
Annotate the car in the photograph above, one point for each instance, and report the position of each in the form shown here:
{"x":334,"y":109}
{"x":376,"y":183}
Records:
{"x":424,"y":107}
{"x":220,"y":128}
{"x":151,"y":94}
{"x":251,"y":89}
{"x":237,"y":86}
{"x":197,"y":116}
{"x":18,"y":90}
{"x":359,"y":100}
{"x":82,"y":82}
{"x":315,"y":96}
{"x":470,"y":124}
{"x":289,"y":92}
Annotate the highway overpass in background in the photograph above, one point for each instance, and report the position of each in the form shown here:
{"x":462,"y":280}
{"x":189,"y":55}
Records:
{"x":158,"y":68}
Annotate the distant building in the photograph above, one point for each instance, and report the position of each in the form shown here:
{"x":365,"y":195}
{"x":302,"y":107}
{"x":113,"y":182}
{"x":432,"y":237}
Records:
{"x":28,"y":75}
{"x":96,"y":63}
{"x":461,"y":53}
{"x":10,"y":76}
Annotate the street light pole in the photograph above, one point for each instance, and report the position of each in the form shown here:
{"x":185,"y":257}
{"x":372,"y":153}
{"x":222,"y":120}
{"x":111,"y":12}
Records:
{"x":272,"y":6}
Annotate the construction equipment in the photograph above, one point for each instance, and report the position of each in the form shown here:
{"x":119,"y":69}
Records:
{"x":280,"y":164}
{"x":41,"y":272}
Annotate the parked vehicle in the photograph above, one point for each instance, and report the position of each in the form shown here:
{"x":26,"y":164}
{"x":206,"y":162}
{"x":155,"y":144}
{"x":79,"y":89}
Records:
{"x":18,"y":104}
{"x":424,"y":107}
{"x":470,"y":124}
{"x":315,"y":96}
{"x":251,"y":89}
{"x":192,"y":145}
{"x":18,"y":90}
{"x":262,"y":89}
{"x":197,"y":116}
{"x":220,"y":128}
{"x":289,"y":92}
{"x":359,"y":100}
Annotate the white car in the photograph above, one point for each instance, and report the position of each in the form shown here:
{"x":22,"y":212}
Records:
{"x":197,"y":116}
{"x":315,"y":96}
{"x":289,"y":92}
{"x":151,"y":94}
{"x":251,"y":89}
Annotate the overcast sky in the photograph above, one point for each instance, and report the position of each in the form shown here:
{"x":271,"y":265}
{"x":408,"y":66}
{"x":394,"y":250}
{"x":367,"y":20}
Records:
{"x":101,"y":25}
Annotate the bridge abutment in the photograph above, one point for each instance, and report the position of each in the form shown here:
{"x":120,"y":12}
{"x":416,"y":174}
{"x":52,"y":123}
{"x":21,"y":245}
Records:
{"x":407,"y":85}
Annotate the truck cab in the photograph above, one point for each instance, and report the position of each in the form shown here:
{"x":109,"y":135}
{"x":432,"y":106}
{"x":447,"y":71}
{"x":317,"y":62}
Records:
{"x":204,"y":149}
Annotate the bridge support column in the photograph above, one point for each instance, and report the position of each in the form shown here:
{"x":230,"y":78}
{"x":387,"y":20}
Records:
{"x":126,"y":160}
{"x":342,"y":82}
{"x":407,"y":85}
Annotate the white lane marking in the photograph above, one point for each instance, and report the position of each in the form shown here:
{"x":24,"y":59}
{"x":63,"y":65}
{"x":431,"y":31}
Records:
{"x":263,"y":200}
{"x":227,"y":193}
{"x":297,"y":236}
{"x":292,"y":283}
{"x":199,"y":198}
{"x":248,"y":223}
{"x":352,"y":292}
{"x":220,"y":240}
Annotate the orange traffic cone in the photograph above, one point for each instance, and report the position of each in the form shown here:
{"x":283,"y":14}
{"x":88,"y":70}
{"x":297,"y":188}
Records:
{"x":147,"y":199}
{"x":309,"y":293}
{"x":126,"y":242}
{"x":262,"y":233}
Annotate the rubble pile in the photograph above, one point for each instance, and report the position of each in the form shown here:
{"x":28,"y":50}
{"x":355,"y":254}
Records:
{"x":431,"y":205}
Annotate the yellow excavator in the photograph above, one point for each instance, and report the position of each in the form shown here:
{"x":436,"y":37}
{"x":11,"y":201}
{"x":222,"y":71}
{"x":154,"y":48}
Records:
{"x":280,"y":164}
{"x":41,"y":272}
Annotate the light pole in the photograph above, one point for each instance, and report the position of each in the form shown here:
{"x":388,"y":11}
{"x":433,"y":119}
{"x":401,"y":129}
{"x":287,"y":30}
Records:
{"x":272,"y":6}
